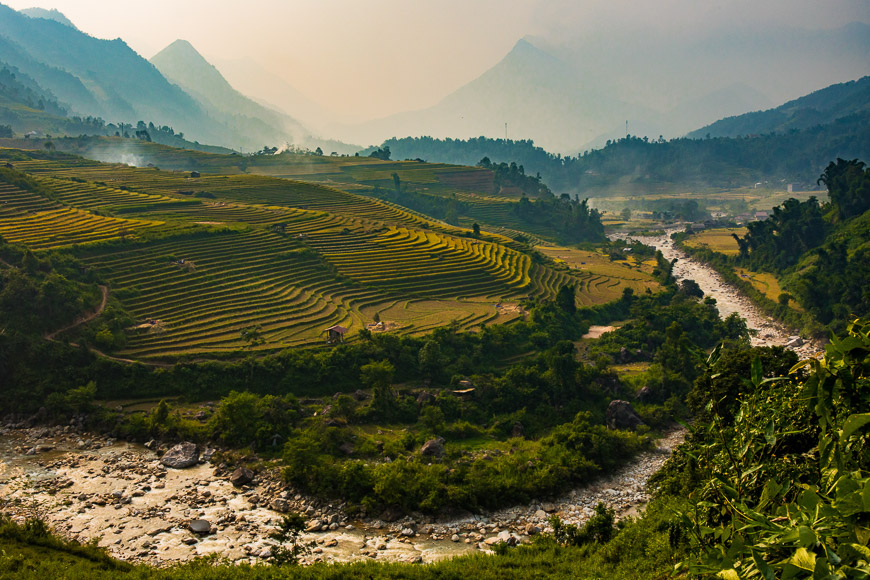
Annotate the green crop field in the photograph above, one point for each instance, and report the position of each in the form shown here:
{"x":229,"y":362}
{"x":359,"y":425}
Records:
{"x":195,"y":260}
{"x":719,"y":240}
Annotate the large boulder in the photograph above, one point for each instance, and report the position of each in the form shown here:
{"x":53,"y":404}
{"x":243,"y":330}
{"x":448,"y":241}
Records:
{"x":621,"y":415}
{"x":182,"y":455}
{"x":433,"y":448}
{"x":241,"y":476}
{"x":202,"y":527}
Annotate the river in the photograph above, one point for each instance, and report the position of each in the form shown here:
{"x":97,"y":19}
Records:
{"x":90,"y":487}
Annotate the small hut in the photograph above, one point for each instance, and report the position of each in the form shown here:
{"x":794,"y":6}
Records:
{"x":335,"y":334}
{"x":194,"y":174}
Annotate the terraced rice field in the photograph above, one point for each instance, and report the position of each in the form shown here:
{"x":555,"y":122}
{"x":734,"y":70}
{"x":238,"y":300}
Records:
{"x":227,"y":282}
{"x":603,"y":280}
{"x":40,"y":223}
{"x":297,"y":258}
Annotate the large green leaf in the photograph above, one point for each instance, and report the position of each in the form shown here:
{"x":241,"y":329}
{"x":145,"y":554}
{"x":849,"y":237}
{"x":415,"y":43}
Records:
{"x":757,"y":374}
{"x":853,"y":423}
{"x":804,"y":559}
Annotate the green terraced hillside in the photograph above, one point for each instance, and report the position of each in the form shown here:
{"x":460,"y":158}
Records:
{"x":204,"y":257}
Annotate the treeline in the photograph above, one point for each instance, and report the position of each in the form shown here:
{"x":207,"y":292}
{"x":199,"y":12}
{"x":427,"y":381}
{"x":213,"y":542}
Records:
{"x":572,"y":219}
{"x":796,"y":156}
{"x":820,"y":251}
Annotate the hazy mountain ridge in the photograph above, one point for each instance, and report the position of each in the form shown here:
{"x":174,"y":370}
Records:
{"x":537,"y":94}
{"x":52,"y":14}
{"x":183,"y":65}
{"x":817,"y":108}
{"x":662,"y":86}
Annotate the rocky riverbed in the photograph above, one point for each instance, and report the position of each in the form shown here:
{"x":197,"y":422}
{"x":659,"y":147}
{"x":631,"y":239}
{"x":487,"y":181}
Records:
{"x":90,"y":487}
{"x":769,"y":332}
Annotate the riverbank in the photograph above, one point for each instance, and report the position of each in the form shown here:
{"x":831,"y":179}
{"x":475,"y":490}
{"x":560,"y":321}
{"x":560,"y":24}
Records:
{"x":768,"y":332}
{"x":90,"y":487}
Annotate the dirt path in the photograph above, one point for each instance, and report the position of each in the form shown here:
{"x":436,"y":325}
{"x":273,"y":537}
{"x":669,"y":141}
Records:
{"x":86,"y":318}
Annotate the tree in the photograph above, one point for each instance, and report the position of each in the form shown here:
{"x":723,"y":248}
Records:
{"x":382,"y":154}
{"x":476,"y":229}
{"x":290,"y":547}
{"x":318,"y":151}
{"x":252,"y":336}
{"x":565,"y":299}
{"x":625,"y":214}
{"x":378,"y":376}
{"x":690,"y":288}
{"x":848,"y":186}
{"x":397,"y":183}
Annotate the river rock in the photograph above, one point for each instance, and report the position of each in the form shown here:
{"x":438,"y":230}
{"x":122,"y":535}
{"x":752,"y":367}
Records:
{"x":281,"y":505}
{"x":433,"y":447}
{"x":241,"y":476}
{"x":621,"y":415}
{"x":391,"y":514}
{"x":182,"y":455}
{"x":200,"y":527}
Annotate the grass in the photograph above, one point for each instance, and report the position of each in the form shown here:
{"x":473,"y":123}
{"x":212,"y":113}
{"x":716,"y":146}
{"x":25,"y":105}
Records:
{"x":767,"y":284}
{"x":719,"y":240}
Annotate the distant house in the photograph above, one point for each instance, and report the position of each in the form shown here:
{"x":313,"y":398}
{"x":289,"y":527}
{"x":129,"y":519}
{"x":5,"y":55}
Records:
{"x":31,"y":134}
{"x":743,"y":218}
{"x":335,"y":334}
{"x":762,"y":215}
{"x":194,"y":173}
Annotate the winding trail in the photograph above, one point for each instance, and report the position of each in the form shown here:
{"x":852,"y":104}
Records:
{"x":104,"y":291}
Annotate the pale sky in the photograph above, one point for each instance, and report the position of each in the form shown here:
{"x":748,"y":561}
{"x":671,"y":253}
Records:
{"x":366,"y":59}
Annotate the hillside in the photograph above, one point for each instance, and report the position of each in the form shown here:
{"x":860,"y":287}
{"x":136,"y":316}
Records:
{"x":183,"y":65}
{"x":102,"y":79}
{"x":289,"y":256}
{"x":818,"y":108}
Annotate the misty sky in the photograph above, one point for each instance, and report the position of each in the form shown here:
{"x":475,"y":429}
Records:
{"x":362,"y":60}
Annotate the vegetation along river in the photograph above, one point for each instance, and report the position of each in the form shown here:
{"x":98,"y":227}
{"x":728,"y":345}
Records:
{"x":90,"y":487}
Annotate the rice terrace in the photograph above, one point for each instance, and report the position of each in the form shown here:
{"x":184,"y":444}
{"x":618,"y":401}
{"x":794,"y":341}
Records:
{"x":455,"y":290}
{"x":213,"y":255}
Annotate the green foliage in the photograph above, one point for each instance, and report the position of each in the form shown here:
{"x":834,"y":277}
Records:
{"x":759,"y":509}
{"x":598,"y":528}
{"x":244,"y":419}
{"x":289,"y":546}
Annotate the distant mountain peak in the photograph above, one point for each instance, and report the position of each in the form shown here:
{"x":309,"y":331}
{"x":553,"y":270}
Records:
{"x":52,"y":14}
{"x":180,"y":49}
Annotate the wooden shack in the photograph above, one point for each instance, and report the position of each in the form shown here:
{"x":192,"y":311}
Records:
{"x":335,"y":334}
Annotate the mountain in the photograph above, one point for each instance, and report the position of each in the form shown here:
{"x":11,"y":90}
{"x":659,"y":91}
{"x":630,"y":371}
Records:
{"x":818,"y":108}
{"x":537,"y":94}
{"x":52,"y":14}
{"x":119,"y":84}
{"x":183,"y":65}
{"x":569,"y":92}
